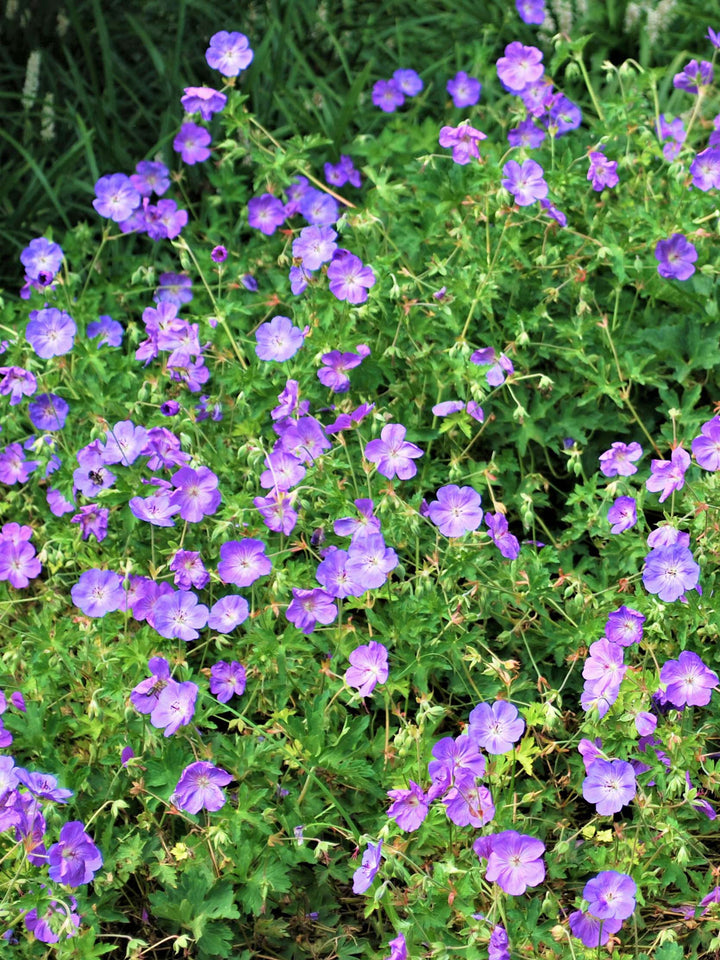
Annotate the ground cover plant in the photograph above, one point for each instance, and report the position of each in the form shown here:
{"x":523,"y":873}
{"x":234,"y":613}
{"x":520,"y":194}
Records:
{"x":358,"y":540}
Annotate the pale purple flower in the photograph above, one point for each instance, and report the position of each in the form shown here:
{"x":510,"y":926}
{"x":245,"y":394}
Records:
{"x":277,"y":511}
{"x":192,"y":143}
{"x":604,"y":665}
{"x":622,"y":514}
{"x":115,"y":197}
{"x":283,"y":471}
{"x":196,"y":493}
{"x":533,"y":12}
{"x":369,"y":667}
{"x":469,"y":804}
{"x":464,"y":141}
{"x":16,"y":382}
{"x":618,"y":460}
{"x":150,"y":177}
{"x":564,"y":115}
{"x":227,"y":613}
{"x":500,"y":365}
{"x":124,"y":443}
{"x":93,"y":521}
{"x":333,"y":373}
{"x":705,"y":169}
{"x":199,"y":787}
{"x":365,"y":873}
{"x":109,"y":331}
{"x":676,"y":257}
{"x":229,"y":53}
{"x":175,"y":706}
{"x":464,"y":90}
{"x":602,"y":172}
{"x":50,"y":332}
{"x":175,"y":288}
{"x":499,"y":944}
{"x":42,"y":259}
{"x":349,"y":278}
{"x":668,"y":475}
{"x":48,"y":411}
{"x":338,"y":174}
{"x":203,"y":100}
{"x":688,"y":681}
{"x":408,"y":81}
{"x":645,"y":723}
{"x":447,"y":408}
{"x":624,"y":626}
{"x":310,"y":607}
{"x":315,"y":246}
{"x":266,"y":213}
{"x":319,"y":208}
{"x":706,"y":447}
{"x":497,"y":727}
{"x":515,"y":862}
{"x":227,"y":680}
{"x":144,"y":696}
{"x":398,"y":948}
{"x":179,"y":615}
{"x":370,"y":561}
{"x":455,"y":759}
{"x":189,"y":570}
{"x":58,"y":919}
{"x":18,"y":563}
{"x":552,"y":211}
{"x":387,"y":95}
{"x":506,"y":542}
{"x":393,"y":454}
{"x":525,"y":182}
{"x":242,"y":562}
{"x":526,"y":134}
{"x":592,"y":932}
{"x":334,"y":578}
{"x":75,"y":858}
{"x":278,"y":339}
{"x":409,"y":807}
{"x":694,"y":76}
{"x":456,"y":511}
{"x":610,"y":895}
{"x":364,"y":523}
{"x":520,"y":66}
{"x":669,"y":572}
{"x":610,"y":785}
{"x":98,"y":592}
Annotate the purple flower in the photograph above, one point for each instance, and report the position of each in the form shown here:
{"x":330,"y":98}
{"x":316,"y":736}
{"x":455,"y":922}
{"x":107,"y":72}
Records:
{"x":498,"y":944}
{"x":447,"y":408}
{"x":144,"y":696}
{"x":349,"y":278}
{"x":315,"y":246}
{"x":229,"y":53}
{"x":318,"y":207}
{"x":668,"y":475}
{"x":622,"y":514}
{"x":98,"y":592}
{"x":515,"y":862}
{"x":604,"y":665}
{"x":624,"y":626}
{"x":56,"y":920}
{"x":602,"y":172}
{"x":669,"y":572}
{"x":706,"y":447}
{"x":75,"y":858}
{"x":109,"y":331}
{"x":175,"y":706}
{"x":675,"y":130}
{"x":408,"y":81}
{"x":334,"y":578}
{"x":227,"y":680}
{"x":192,"y":142}
{"x":464,"y":141}
{"x":533,"y":12}
{"x":387,"y":95}
{"x":333,"y":373}
{"x":277,"y":511}
{"x":51,"y":332}
{"x":278,"y":340}
{"x":526,"y":134}
{"x":266,"y":213}
{"x":203,"y":100}
{"x":506,"y":542}
{"x":525,"y":182}
{"x":393,"y":454}
{"x":42,"y":259}
{"x":689,"y":682}
{"x":365,"y":874}
{"x":500,"y":365}
{"x":219,"y":254}
{"x":610,"y":785}
{"x":150,"y":177}
{"x":199,"y":787}
{"x":520,"y":66}
{"x":409,"y":807}
{"x":705,"y":169}
{"x":338,"y":174}
{"x":645,"y":723}
{"x":189,"y":570}
{"x":610,"y":895}
{"x":227,"y":613}
{"x":496,"y":728}
{"x":18,"y":563}
{"x":195,"y":493}
{"x":398,"y":948}
{"x":456,"y":511}
{"x":675,"y":257}
{"x":174,"y":288}
{"x":48,"y":411}
{"x":564,"y":115}
{"x":618,"y":460}
{"x":242,"y":562}
{"x":592,"y":932}
{"x":455,"y":760}
{"x":468,"y":804}
{"x":124,"y":443}
{"x":93,"y":521}
{"x":310,"y":607}
{"x":115,"y":197}
{"x":694,"y":76}
{"x":179,"y":615}
{"x":369,"y":667}
{"x":370,"y":561}
{"x":464,"y":90}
